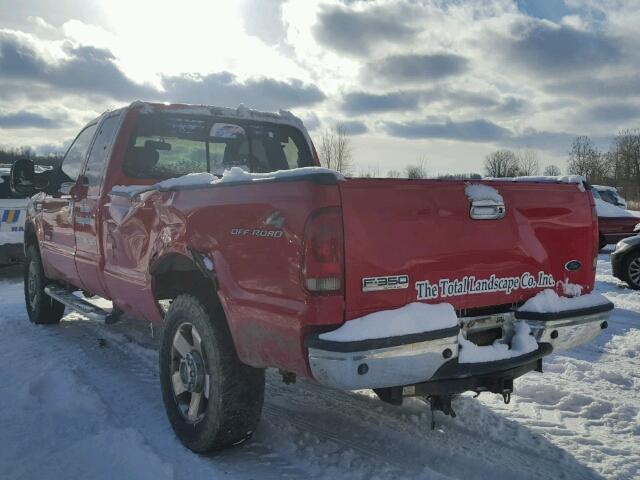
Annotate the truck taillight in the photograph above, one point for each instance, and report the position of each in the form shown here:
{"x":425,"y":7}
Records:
{"x":323,"y":257}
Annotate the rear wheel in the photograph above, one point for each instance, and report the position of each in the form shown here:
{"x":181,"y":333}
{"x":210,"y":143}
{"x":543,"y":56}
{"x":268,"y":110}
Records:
{"x":632,"y":262}
{"x":213,"y":400}
{"x":41,"y":308}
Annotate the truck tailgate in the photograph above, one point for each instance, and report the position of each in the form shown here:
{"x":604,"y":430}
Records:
{"x":409,"y":240}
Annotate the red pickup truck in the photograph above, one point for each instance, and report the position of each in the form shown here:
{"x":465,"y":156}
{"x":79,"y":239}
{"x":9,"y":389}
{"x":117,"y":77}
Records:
{"x":219,"y":225}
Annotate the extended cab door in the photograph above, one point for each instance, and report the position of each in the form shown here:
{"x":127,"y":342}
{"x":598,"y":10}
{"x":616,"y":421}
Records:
{"x":58,"y":245}
{"x":89,"y":258}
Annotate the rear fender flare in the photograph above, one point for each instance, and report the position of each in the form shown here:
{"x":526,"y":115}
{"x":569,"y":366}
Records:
{"x":191,"y":264}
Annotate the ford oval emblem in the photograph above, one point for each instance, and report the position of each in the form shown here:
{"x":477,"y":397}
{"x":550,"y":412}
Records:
{"x":572,"y":265}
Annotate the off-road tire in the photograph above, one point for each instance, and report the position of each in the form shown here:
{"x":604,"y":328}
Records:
{"x":628,"y":261}
{"x":236,"y":391}
{"x":41,"y":308}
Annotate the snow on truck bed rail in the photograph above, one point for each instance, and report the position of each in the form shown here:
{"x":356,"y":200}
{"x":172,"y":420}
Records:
{"x":412,"y":318}
{"x":579,"y":180}
{"x":232,"y":175}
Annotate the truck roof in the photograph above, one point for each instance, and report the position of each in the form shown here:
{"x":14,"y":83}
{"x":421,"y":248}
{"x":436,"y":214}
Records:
{"x":240,"y":112}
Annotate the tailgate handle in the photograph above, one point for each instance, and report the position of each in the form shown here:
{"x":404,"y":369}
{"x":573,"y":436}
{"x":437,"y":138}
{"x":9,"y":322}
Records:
{"x":487,"y":210}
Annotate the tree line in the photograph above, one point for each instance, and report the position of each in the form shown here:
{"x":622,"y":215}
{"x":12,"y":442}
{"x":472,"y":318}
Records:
{"x":9,"y":155}
{"x":618,"y":167}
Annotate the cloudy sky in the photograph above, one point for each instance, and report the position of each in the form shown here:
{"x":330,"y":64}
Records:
{"x":448,"y":81}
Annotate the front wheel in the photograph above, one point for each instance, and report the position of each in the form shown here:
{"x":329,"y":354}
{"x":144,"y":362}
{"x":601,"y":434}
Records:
{"x":632,"y":264}
{"x":213,"y":400}
{"x":41,"y":308}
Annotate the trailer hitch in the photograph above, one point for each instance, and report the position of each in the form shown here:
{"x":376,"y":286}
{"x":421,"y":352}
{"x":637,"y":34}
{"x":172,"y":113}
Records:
{"x":440,"y":403}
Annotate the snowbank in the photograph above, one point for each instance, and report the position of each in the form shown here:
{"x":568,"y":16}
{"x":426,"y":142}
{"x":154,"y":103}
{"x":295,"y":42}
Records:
{"x":412,"y":318}
{"x":479,"y":192}
{"x":233,"y":175}
{"x":521,"y":343}
{"x":606,"y":209}
{"x":548,"y":301}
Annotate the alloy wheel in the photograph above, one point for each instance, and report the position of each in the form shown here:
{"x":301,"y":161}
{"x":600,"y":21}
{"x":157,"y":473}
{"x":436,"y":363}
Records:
{"x":634,"y":271}
{"x":189,"y":376}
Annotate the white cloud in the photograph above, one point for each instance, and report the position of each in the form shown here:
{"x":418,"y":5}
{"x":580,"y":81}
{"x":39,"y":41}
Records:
{"x":448,"y":69}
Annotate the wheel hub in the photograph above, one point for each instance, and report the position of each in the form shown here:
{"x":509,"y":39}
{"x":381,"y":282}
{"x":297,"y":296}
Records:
{"x":192,"y":372}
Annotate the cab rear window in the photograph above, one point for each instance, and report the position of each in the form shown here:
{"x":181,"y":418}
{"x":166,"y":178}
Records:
{"x":167,"y":145}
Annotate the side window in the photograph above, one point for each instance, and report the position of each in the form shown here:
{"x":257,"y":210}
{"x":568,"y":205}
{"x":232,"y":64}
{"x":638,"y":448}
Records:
{"x":72,"y":162}
{"x":101,"y":148}
{"x":292,"y":153}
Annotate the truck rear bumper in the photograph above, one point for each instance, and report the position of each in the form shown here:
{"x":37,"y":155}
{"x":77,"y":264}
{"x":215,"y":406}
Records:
{"x":432,"y":357}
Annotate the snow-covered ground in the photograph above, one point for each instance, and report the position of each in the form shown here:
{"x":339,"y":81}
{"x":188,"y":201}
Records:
{"x":81,"y":400}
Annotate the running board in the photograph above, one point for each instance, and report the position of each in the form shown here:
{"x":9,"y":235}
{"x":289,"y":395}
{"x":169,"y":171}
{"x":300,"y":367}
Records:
{"x":78,"y":304}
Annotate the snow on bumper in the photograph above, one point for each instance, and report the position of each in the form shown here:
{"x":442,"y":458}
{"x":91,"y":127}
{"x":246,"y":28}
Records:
{"x":436,"y":355}
{"x":564,"y":322}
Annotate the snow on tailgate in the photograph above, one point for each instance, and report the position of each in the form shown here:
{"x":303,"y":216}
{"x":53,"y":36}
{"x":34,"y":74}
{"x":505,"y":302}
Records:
{"x":412,"y":318}
{"x":478,"y":192}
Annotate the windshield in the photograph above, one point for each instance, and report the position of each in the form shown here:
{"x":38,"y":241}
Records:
{"x":609,"y":196}
{"x":169,"y":145}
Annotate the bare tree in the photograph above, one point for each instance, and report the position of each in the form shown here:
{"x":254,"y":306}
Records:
{"x":552,"y":171}
{"x":335,"y":150}
{"x":370,"y":171}
{"x":393,"y":174}
{"x":418,"y":170}
{"x":624,"y":161}
{"x":501,"y":163}
{"x":585,"y":159}
{"x":528,"y":163}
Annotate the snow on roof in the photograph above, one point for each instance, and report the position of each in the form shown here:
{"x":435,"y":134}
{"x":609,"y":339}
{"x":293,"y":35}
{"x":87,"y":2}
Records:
{"x":479,"y":192}
{"x":233,"y":175}
{"x":605,"y":187}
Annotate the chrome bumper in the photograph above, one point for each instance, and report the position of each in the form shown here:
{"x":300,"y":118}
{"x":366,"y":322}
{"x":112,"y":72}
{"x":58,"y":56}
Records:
{"x":433,"y":356}
{"x":569,"y":329}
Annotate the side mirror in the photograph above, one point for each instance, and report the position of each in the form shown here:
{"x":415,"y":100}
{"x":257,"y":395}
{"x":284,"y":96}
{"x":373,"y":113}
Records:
{"x":22,"y":178}
{"x":77,"y":190}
